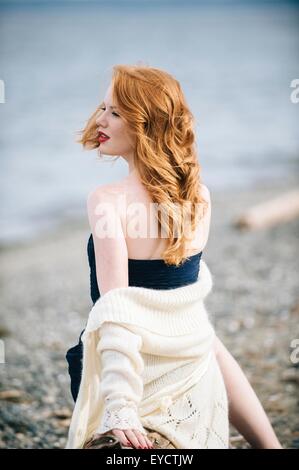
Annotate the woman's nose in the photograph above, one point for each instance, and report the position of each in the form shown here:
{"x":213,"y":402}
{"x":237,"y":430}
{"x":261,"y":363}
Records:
{"x":101,"y":120}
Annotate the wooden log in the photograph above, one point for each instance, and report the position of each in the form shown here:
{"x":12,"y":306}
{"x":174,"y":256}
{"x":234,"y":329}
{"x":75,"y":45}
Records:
{"x":275,"y":211}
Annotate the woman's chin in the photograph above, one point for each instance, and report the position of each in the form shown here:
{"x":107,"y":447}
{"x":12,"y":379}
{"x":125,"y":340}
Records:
{"x":102,"y":151}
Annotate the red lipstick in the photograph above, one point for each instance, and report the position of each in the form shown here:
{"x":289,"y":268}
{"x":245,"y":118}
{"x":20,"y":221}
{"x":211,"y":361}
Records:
{"x":103,"y":137}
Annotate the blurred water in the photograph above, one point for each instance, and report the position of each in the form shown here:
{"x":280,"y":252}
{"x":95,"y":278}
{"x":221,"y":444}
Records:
{"x":235,"y":64}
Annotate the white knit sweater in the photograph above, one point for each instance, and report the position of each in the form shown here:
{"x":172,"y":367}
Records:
{"x":148,"y":361}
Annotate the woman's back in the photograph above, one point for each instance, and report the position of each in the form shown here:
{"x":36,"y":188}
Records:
{"x":146,"y":247}
{"x":146,"y":267}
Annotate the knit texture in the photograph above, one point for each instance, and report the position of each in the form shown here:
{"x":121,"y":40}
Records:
{"x":148,"y":362}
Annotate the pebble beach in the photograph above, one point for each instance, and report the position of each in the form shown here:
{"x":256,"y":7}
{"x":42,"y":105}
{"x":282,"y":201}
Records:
{"x":45,"y":302}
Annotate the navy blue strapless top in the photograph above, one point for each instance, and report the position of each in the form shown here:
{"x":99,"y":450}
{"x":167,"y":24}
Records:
{"x":150,"y":273}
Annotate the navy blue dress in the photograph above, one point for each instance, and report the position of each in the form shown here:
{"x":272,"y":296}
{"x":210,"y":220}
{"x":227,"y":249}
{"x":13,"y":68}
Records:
{"x":151,"y":273}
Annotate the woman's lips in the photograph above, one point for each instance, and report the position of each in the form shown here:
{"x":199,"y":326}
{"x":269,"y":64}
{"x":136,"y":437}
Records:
{"x":103,"y":138}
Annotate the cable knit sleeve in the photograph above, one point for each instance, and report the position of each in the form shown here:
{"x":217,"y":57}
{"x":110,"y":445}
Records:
{"x":121,"y":381}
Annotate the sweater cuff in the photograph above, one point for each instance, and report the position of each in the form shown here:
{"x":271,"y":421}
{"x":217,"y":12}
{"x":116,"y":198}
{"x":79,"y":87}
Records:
{"x":121,"y":416}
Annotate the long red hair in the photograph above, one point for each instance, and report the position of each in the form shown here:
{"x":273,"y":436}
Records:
{"x":153,"y":105}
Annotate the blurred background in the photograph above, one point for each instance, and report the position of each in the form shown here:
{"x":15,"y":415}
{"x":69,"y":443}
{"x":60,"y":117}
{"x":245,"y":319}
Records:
{"x":236,"y":61}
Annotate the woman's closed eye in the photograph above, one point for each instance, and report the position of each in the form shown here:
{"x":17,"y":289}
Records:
{"x":115,"y":114}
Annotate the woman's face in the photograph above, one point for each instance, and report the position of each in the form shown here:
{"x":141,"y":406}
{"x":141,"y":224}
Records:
{"x":121,"y":141}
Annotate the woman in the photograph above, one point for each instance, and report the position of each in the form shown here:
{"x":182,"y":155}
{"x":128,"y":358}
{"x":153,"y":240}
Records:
{"x":145,"y":119}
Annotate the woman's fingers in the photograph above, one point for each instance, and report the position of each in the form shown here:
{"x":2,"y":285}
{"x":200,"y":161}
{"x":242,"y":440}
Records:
{"x":138,"y":439}
{"x":122,"y":437}
{"x":148,"y":441}
{"x":150,"y":444}
{"x":142,"y":440}
{"x":132,"y":438}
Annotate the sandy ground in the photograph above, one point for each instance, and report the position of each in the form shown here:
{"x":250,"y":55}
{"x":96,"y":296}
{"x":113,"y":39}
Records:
{"x":45,"y":303}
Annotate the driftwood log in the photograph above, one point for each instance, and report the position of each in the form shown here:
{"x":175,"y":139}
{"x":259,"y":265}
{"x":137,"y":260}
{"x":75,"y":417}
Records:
{"x":275,"y":211}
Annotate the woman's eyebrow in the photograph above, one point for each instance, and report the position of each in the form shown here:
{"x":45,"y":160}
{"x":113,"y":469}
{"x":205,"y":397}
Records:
{"x":111,"y":107}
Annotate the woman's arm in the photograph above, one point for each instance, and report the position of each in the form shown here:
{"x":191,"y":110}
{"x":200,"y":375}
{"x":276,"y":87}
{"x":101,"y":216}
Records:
{"x":121,"y":384}
{"x":246,"y":413}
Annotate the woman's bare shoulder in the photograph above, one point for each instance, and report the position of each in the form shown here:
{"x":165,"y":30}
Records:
{"x":108,"y":188}
{"x":106,"y":192}
{"x":205,"y":192}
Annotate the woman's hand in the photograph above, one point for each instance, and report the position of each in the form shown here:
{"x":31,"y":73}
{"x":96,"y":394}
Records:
{"x":131,"y":437}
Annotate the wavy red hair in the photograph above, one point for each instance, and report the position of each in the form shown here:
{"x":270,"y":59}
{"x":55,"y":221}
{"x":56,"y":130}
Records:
{"x":153,"y":105}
